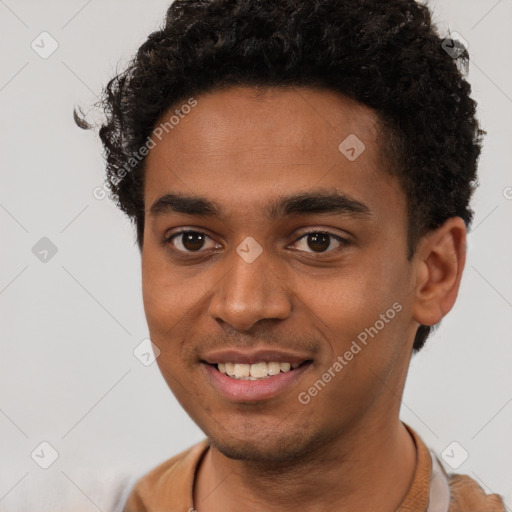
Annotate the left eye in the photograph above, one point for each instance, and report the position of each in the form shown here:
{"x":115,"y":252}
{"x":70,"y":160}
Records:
{"x":321,"y":240}
{"x":194,"y":241}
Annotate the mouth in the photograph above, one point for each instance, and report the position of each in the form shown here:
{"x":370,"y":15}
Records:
{"x":256,"y":371}
{"x":254,"y":381}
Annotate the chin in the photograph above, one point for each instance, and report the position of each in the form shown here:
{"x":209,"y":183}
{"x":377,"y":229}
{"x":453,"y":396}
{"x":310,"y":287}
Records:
{"x":267,"y":448}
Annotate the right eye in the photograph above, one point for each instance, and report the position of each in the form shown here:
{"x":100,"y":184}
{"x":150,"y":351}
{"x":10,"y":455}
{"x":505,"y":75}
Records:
{"x":188,"y":241}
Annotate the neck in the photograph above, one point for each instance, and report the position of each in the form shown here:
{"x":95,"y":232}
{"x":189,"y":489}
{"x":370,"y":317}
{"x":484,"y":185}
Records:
{"x":381,"y":458}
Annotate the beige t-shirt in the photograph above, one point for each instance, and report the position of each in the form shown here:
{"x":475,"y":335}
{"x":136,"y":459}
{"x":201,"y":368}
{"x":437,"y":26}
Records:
{"x":170,"y":485}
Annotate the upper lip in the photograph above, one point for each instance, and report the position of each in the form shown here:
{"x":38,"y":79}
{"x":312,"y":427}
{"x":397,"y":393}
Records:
{"x":248,"y":356}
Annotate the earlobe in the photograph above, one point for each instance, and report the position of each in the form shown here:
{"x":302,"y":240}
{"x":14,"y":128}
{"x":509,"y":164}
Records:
{"x":440,"y":261}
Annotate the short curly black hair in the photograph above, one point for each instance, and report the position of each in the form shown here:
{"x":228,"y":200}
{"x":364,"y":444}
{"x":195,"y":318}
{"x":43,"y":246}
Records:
{"x":385,"y":54}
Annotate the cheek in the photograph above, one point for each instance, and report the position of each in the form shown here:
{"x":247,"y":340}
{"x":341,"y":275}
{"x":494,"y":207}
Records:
{"x":156,"y":301}
{"x":162,"y":305}
{"x":174,"y":302}
{"x":363,"y":322}
{"x":350,"y":305}
{"x":165,"y":293}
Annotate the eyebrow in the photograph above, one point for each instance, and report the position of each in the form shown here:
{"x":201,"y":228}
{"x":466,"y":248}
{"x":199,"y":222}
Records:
{"x":307,"y":203}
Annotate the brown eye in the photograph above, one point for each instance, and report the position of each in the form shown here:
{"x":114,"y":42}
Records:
{"x":320,"y":241}
{"x":188,"y":241}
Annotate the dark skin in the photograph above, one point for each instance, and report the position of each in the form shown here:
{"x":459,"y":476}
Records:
{"x":240,"y":148}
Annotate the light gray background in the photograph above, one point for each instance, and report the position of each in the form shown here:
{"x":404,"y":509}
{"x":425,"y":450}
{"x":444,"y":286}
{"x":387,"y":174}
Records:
{"x":68,"y":375}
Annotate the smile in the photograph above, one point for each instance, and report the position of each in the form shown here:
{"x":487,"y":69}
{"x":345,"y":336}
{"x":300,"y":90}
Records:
{"x":255,"y":381}
{"x":256,"y":371}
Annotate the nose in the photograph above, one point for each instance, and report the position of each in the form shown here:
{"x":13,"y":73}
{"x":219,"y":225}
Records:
{"x":250,"y":292}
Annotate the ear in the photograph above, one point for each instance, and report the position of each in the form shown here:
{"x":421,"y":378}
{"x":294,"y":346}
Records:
{"x":439,"y":262}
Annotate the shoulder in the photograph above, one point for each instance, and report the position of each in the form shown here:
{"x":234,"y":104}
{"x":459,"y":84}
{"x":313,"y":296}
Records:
{"x":170,"y":482}
{"x":466,"y":494}
{"x":461,"y":492}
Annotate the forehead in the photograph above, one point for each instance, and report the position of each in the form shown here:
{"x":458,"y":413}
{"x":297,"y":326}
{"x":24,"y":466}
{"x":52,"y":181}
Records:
{"x":240,"y":119}
{"x":242,"y":146}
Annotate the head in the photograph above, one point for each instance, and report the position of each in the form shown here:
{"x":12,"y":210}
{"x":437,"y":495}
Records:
{"x":335,"y":142}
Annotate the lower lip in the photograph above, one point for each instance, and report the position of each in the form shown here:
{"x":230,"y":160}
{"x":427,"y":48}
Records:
{"x":238,"y":390}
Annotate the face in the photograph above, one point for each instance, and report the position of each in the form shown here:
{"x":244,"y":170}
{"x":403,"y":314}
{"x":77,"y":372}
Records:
{"x":275,"y":249}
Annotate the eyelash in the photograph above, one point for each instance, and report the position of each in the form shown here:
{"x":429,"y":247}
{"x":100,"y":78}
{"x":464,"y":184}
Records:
{"x":343,"y":241}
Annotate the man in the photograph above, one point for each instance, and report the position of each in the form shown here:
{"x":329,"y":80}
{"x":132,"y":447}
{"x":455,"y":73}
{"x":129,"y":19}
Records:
{"x":299,"y":174}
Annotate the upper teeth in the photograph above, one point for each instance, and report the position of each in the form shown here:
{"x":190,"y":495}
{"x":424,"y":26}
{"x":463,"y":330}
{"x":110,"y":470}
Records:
{"x":255,"y":371}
